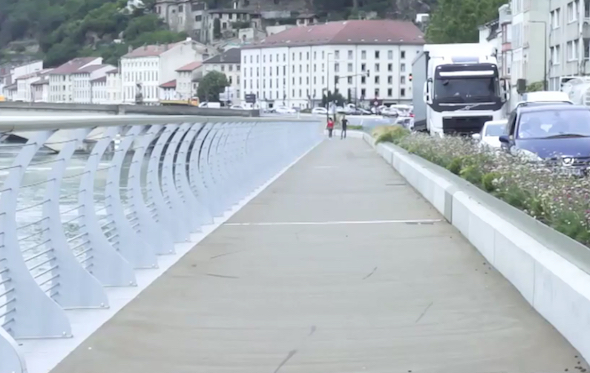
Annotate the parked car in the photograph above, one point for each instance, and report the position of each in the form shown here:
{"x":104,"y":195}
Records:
{"x":319,"y":110}
{"x":285,"y":110}
{"x":558,"y":135}
{"x":491,"y":132}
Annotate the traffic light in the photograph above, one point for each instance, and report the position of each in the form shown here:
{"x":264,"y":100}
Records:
{"x":410,"y":77}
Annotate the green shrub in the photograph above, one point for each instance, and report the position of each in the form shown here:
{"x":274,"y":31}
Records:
{"x":558,"y":201}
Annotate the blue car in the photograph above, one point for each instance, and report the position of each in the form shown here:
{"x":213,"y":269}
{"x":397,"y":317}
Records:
{"x":558,"y":135}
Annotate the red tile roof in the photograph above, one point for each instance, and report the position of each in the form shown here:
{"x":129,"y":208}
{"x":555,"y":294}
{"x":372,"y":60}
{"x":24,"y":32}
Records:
{"x":191,"y":66}
{"x":72,"y":66}
{"x":346,"y":32}
{"x":150,"y":50}
{"x":170,"y":84}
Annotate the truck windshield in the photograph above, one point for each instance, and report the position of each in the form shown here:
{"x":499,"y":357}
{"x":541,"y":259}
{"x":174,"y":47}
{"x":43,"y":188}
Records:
{"x":461,"y":89}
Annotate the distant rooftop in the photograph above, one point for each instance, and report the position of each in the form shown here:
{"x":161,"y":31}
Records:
{"x":92,"y":68}
{"x":72,"y":66}
{"x":170,"y":84}
{"x":191,"y":66}
{"x":102,"y":79}
{"x":369,"y":32}
{"x":150,"y":50}
{"x":229,"y":56}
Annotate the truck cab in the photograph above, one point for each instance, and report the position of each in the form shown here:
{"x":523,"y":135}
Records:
{"x":460,"y":89}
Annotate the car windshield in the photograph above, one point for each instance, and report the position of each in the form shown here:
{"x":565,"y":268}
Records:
{"x":466,"y":89}
{"x":554,"y":123}
{"x":494,"y":130}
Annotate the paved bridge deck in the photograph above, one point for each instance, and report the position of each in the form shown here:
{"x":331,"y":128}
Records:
{"x":337,"y":267}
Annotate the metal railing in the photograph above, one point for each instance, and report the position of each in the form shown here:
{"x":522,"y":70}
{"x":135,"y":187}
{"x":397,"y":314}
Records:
{"x":85,"y":201}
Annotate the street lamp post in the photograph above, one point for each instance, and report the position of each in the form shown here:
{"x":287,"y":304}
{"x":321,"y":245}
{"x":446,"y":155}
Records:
{"x":545,"y":54}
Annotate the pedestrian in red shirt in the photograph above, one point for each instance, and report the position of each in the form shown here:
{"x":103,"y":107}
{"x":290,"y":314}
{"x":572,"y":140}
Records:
{"x":330,"y":127}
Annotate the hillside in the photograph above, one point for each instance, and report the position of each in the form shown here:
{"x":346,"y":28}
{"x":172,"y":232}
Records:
{"x":59,"y":30}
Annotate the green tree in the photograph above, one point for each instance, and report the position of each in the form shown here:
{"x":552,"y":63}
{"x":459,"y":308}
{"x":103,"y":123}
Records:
{"x":211,"y":86}
{"x":216,"y":28}
{"x":456,"y":21}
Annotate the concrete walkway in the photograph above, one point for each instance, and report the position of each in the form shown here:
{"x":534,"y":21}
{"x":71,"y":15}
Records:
{"x":338,"y":267}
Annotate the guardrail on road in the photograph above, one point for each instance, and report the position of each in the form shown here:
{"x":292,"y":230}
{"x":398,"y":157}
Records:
{"x":72,"y":223}
{"x":550,"y":270}
{"x":127,"y":109}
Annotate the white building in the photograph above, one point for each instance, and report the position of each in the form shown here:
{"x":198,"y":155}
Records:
{"x":370,"y":60}
{"x":98,"y":91}
{"x":114,"y":87}
{"x":26,"y":69}
{"x":153,"y":65}
{"x":529,"y":35}
{"x":228,"y":63}
{"x":186,"y":80}
{"x":61,"y":86}
{"x":82,"y":91}
{"x":40,"y":89}
{"x":491,"y":34}
{"x":24,"y":91}
{"x":569,"y":40}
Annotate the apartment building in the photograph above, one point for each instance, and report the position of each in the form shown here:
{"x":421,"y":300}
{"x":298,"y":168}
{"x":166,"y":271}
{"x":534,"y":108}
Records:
{"x":114,"y":87}
{"x":82,"y":86}
{"x":363,"y":59}
{"x":228,"y":63}
{"x":146,"y":68}
{"x":187,"y":75}
{"x":569,"y":39}
{"x":40,"y":89}
{"x":530,"y":19}
{"x":61,"y":82}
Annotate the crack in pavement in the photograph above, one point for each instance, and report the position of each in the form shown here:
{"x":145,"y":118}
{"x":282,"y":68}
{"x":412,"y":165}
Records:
{"x":370,"y":274}
{"x":424,"y":312}
{"x":289,"y":356}
{"x":221,"y":276}
{"x":225,"y":254}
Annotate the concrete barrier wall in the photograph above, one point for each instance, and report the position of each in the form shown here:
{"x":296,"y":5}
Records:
{"x":129,"y":109}
{"x":549,"y":269}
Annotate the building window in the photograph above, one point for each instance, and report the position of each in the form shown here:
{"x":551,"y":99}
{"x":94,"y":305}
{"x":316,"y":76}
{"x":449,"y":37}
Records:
{"x":376,"y":92}
{"x":402,"y":92}
{"x":363,"y":55}
{"x":572,"y":49}
{"x":377,"y":54}
{"x":363,"y":93}
{"x":350,"y":55}
{"x":363,"y":67}
{"x":389,"y":67}
{"x":572,"y":11}
{"x":376,"y":67}
{"x":349,"y":67}
{"x":363,"y":79}
{"x":389,"y":92}
{"x":349,"y":80}
{"x":336,"y":67}
{"x":390,"y":55}
{"x":376,"y":79}
{"x":402,"y":67}
{"x":337,"y":55}
{"x":403,"y":54}
{"x":315,"y":55}
{"x":556,"y":18}
{"x":402,"y":79}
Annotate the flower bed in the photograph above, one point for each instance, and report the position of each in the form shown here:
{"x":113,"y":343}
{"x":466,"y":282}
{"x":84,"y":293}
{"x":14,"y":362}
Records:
{"x":559,"y":201}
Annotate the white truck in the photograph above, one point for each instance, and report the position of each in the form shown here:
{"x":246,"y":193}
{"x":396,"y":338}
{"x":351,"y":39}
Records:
{"x":456,"y":89}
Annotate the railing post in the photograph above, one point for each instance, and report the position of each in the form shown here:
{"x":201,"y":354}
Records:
{"x":196,"y":175}
{"x":139,"y":253}
{"x":102,"y":259}
{"x":181,"y":178}
{"x":11,"y":358}
{"x":30,"y":312}
{"x":150,"y":227}
{"x":77,"y":287}
{"x":163,"y":208}
{"x":206,"y":169}
{"x":181,"y":213}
